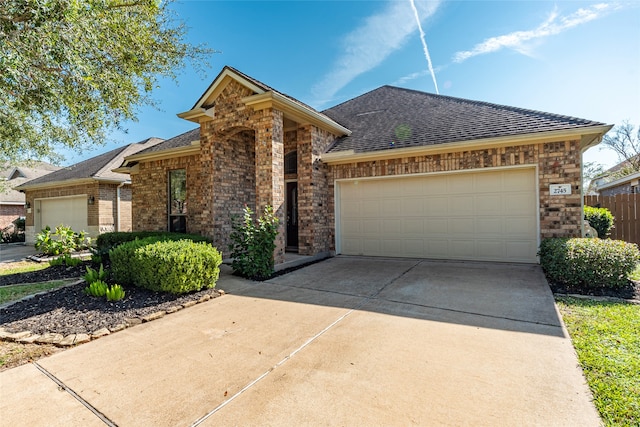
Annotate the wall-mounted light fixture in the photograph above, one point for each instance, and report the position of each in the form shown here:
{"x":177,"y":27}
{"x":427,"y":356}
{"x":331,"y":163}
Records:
{"x":27,"y":205}
{"x":91,"y":200}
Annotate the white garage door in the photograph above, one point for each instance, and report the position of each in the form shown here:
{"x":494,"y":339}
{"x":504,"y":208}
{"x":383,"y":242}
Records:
{"x":70,"y":211}
{"x":488,"y":215}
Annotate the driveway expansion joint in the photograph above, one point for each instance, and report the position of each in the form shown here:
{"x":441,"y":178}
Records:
{"x":62,"y":386}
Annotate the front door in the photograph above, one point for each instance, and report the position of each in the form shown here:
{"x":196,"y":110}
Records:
{"x":292,"y":215}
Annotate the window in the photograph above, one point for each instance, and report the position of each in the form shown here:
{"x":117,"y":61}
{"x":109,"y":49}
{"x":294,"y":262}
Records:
{"x":291,"y":162}
{"x":178,"y":201}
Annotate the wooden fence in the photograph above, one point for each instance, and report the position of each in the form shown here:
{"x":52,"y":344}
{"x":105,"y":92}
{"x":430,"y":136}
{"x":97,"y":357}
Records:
{"x":626,"y":210}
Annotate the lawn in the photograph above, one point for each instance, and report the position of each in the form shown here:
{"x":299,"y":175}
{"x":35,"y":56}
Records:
{"x":15,"y":292}
{"x":606,"y":336}
{"x":22,"y":267}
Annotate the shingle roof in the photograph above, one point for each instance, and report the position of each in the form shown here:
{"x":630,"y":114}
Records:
{"x":392,"y":117}
{"x":98,"y":167}
{"x":182,"y":140}
{"x":18,"y":175}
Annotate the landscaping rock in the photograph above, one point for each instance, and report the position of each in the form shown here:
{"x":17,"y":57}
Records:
{"x":100,"y":333}
{"x":153,"y":316}
{"x":28,"y":340}
{"x":119,"y":327}
{"x":131,"y":321}
{"x":49,"y":338}
{"x":174,"y":309}
{"x":74,"y":339}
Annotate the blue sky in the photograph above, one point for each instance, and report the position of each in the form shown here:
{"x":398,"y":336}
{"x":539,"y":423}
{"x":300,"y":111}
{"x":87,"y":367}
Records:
{"x":570,"y":57}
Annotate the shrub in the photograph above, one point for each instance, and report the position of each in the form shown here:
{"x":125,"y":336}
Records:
{"x":107,"y":241}
{"x":115,"y":293}
{"x":122,"y":262}
{"x":253,"y":244}
{"x":95,"y":275}
{"x":65,"y":259}
{"x":96,"y":289}
{"x":588,"y":263}
{"x":175,"y":266}
{"x":601,"y":219}
{"x":62,"y":241}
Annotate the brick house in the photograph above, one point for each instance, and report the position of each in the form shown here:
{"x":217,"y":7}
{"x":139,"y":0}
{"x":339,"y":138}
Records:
{"x":393,"y":172}
{"x":12,"y":202}
{"x":87,"y":196}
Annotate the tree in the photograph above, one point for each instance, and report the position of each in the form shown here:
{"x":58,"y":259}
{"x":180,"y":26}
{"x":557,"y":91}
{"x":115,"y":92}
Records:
{"x":626,"y":143}
{"x":590,"y":171}
{"x":73,"y":70}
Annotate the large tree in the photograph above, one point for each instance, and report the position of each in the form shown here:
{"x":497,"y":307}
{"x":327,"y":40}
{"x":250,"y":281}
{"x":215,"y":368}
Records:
{"x":73,"y":70}
{"x":625,"y":141}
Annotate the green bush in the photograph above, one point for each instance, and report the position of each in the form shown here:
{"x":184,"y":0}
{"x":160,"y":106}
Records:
{"x":107,"y":241}
{"x":115,"y":293}
{"x":95,"y":275}
{"x":253,"y":244}
{"x":588,"y":263}
{"x":96,"y":289}
{"x":122,"y":262}
{"x":175,"y":266}
{"x":62,"y":241}
{"x":65,"y":259}
{"x":601,"y":219}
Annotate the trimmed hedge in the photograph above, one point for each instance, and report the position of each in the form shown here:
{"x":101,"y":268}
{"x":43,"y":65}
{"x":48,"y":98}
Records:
{"x":107,"y":241}
{"x":601,"y":219}
{"x":588,"y":263}
{"x":122,"y":259}
{"x":176,"y":266}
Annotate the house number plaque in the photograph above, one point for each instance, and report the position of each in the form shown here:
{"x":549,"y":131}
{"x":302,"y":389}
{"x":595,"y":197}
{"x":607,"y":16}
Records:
{"x":560,"y":189}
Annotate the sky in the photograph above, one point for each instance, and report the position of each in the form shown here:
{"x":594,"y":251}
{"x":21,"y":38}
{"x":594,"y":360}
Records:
{"x":575,"y":58}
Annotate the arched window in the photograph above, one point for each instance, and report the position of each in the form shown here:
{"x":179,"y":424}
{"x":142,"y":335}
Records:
{"x":291,"y":162}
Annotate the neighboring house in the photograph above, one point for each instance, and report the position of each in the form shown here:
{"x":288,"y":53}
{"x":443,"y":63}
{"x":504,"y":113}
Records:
{"x":12,"y":202}
{"x":605,"y":185}
{"x":393,"y":172}
{"x":87,"y":196}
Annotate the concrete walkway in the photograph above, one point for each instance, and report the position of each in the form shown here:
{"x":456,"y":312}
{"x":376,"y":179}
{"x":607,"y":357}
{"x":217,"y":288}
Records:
{"x":347,"y":341}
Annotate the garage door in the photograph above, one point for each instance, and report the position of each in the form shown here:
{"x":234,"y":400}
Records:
{"x":70,"y":211}
{"x":487,"y":216}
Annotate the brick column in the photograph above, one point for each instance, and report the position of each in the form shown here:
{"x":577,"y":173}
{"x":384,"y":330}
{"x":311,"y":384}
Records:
{"x":270,"y":189}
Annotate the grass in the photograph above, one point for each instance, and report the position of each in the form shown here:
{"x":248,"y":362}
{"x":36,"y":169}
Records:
{"x":22,"y":267}
{"x":15,"y":292}
{"x":606,"y":336}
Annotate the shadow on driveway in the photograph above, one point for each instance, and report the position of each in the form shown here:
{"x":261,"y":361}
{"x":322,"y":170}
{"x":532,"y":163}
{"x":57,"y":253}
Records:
{"x":514,"y":297}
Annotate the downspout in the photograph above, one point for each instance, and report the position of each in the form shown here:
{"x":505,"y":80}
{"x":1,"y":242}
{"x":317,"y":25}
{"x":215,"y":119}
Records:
{"x":118,"y":206}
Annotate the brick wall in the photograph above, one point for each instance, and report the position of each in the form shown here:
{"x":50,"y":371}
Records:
{"x":150,"y":193}
{"x":9,"y":213}
{"x":91,"y":189}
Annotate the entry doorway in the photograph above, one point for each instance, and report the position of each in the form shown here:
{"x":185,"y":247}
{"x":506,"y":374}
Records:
{"x":292,"y":216}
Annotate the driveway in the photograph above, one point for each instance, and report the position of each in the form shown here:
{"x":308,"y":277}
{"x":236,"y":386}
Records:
{"x":13,"y":252}
{"x":347,"y":341}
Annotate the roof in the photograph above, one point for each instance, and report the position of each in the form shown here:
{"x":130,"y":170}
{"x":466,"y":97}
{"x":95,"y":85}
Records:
{"x":98,"y":167}
{"x":391,"y":117}
{"x":17,"y":175}
{"x":617,"y":182}
{"x":183,"y":140}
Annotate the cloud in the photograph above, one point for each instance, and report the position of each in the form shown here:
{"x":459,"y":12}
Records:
{"x":368,"y":45}
{"x":555,"y":24}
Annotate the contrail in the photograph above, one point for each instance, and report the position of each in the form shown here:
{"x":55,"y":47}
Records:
{"x":424,"y":46}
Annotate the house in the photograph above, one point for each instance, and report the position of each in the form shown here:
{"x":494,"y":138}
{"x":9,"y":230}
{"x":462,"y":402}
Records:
{"x":87,"y":196}
{"x":12,"y":202}
{"x":610,"y":183}
{"x":393,"y":172}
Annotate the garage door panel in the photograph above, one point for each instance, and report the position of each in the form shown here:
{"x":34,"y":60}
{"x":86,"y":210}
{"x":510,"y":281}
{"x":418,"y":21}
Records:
{"x":483,"y":215}
{"x":68,"y":211}
{"x":434,"y":205}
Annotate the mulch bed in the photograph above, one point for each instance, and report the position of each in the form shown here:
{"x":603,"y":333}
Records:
{"x":629,"y":292}
{"x":69,"y":310}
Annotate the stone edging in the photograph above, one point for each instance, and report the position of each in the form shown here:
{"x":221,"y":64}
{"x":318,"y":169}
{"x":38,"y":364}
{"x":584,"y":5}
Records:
{"x":59,"y":340}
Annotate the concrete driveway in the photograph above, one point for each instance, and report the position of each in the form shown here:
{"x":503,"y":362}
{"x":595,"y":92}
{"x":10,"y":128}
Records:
{"x":347,"y":341}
